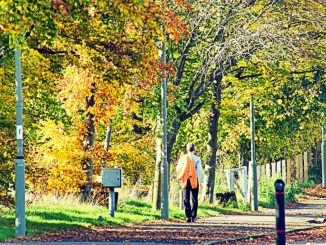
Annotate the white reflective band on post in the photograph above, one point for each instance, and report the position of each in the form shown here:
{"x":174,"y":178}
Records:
{"x":19,"y":132}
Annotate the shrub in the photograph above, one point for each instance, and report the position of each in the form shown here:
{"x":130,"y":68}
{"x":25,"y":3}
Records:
{"x":291,"y":192}
{"x":244,"y":206}
{"x":266,"y":192}
{"x":309,"y":184}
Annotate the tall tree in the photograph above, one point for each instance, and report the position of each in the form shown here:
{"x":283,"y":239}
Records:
{"x":260,"y":32}
{"x":210,"y":166}
{"x":97,"y":50}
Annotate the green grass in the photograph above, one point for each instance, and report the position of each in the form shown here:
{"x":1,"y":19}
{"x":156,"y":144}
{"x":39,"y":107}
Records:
{"x":6,"y":224}
{"x":51,"y":214}
{"x":266,"y":192}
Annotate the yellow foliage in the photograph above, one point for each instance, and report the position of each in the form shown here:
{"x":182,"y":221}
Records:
{"x":135,"y":157}
{"x":56,"y":160}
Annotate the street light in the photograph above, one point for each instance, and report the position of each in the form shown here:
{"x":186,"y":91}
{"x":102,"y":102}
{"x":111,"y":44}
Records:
{"x":253,"y":165}
{"x":20,"y":162}
{"x":323,"y":155}
{"x":165,"y":175}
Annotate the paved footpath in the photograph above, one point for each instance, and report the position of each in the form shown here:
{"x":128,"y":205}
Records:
{"x":224,"y":229}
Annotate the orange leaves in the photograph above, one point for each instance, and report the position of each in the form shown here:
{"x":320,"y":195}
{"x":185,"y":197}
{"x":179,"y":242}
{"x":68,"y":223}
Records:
{"x":168,"y":68}
{"x":62,"y":6}
{"x":78,"y":84}
{"x":182,"y":3}
{"x":174,"y":25}
{"x":75,"y":87}
{"x":108,"y":53}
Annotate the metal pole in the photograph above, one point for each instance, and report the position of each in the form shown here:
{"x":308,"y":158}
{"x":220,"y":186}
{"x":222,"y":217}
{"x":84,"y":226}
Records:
{"x":20,"y":163}
{"x":165,"y":171}
{"x":323,"y":155}
{"x":280,"y":212}
{"x":254,"y":188}
{"x":112,"y":201}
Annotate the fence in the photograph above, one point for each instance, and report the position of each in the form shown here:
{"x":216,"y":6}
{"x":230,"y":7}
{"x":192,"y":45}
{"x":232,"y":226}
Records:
{"x":290,"y":170}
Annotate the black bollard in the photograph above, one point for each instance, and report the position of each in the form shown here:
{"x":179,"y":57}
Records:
{"x":280,"y":212}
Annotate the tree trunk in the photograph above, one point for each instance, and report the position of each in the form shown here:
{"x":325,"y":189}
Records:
{"x":89,"y":145}
{"x":315,"y":153}
{"x":210,"y":166}
{"x":107,"y":142}
{"x":156,"y":205}
{"x":172,"y":135}
{"x":244,"y":152}
{"x":108,"y":136}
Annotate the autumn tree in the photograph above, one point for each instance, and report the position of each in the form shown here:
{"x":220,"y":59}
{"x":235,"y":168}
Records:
{"x":260,"y":32}
{"x":101,"y":53}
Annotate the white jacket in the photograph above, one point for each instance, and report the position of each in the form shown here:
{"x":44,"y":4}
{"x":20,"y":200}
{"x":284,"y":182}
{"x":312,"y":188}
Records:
{"x":198,"y":166}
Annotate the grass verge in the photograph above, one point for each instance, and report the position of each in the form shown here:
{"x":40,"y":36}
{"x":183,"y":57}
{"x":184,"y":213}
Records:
{"x":57,"y":215}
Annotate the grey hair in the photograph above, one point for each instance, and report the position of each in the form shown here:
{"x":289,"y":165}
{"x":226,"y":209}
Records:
{"x":190,"y":147}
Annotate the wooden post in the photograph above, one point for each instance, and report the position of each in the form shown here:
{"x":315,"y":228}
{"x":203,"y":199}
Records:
{"x":258,"y":172}
{"x":262,"y":171}
{"x":273,"y":169}
{"x":288,"y":170}
{"x":273,"y":165}
{"x":268,"y":170}
{"x":249,"y":186}
{"x":297,"y":168}
{"x":284,"y":170}
{"x":279,"y":169}
{"x":293,"y":167}
{"x":181,"y":205}
{"x":306,"y":158}
{"x":300,"y":167}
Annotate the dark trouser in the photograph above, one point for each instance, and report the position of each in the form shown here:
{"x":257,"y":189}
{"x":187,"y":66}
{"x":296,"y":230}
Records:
{"x":191,"y":212}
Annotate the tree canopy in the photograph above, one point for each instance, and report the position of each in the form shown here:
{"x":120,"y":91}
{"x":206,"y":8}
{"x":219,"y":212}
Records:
{"x":92,"y":65}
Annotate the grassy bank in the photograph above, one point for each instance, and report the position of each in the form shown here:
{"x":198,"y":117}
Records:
{"x":51,"y":214}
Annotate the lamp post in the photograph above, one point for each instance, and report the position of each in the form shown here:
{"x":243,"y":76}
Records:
{"x":323,"y":155}
{"x":165,"y":171}
{"x":253,"y":164}
{"x":20,"y":163}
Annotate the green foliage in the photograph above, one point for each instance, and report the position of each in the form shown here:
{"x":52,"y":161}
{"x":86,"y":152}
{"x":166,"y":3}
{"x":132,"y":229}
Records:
{"x":109,"y":51}
{"x":75,"y":51}
{"x":266,"y":192}
{"x":308,"y":184}
{"x":287,"y":110}
{"x":315,"y":170}
{"x":232,"y":203}
{"x":193,"y":130}
{"x":292,"y":191}
{"x":244,"y":206}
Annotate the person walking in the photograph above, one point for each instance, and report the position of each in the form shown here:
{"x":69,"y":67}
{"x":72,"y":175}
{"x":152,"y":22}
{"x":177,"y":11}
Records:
{"x":191,"y":176}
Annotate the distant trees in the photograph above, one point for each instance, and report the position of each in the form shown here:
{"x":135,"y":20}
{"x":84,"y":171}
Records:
{"x":243,"y":40}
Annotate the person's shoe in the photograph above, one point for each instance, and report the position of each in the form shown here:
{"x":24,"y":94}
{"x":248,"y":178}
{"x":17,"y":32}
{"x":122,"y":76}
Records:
{"x":193,"y":219}
{"x":188,"y":220}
